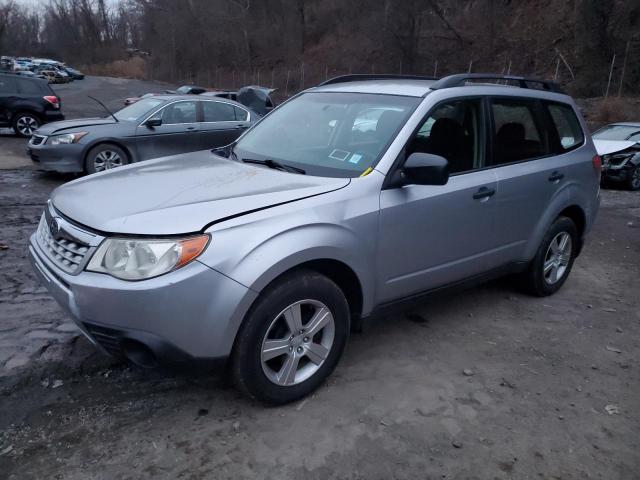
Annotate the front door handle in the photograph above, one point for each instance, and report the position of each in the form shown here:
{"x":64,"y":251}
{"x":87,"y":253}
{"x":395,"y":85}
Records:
{"x":556,"y":176}
{"x":484,"y":192}
{"x":191,"y":129}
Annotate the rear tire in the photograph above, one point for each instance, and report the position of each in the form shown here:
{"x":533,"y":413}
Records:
{"x":276,"y":365}
{"x":553,"y":261}
{"x":25,"y":123}
{"x":105,"y":157}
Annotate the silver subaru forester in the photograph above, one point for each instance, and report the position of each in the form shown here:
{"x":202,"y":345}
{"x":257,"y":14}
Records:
{"x":348,"y":199}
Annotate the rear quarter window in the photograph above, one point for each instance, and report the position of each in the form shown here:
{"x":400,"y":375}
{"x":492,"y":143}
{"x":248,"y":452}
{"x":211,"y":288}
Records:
{"x":567,"y":126}
{"x":7,"y":85}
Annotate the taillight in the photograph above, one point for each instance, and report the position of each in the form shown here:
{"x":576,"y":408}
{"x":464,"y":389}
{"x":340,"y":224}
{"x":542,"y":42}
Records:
{"x":53,"y":100}
{"x":597,"y":164}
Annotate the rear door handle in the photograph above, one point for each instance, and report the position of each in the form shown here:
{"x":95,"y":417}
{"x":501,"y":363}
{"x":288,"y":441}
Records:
{"x":191,"y":128}
{"x":556,"y":176}
{"x":484,"y":192}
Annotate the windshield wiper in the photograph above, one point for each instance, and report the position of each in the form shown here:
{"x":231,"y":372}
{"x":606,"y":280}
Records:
{"x":275,"y":165}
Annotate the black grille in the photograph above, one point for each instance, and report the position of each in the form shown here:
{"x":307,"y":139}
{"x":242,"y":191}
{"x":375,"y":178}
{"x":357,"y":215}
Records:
{"x":108,"y":338}
{"x":66,"y":254}
{"x":37,"y":139}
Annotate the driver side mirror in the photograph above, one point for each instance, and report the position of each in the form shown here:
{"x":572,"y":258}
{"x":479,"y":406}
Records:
{"x":153,"y":122}
{"x":426,"y":169}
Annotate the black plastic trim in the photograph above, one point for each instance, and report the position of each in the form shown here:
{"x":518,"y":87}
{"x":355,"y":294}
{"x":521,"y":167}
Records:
{"x":410,"y":301}
{"x":523,"y":82}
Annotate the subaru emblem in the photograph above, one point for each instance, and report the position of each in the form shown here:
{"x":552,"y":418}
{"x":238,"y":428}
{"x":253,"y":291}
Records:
{"x":54,"y":228}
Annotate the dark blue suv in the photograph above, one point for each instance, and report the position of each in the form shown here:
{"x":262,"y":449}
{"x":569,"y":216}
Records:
{"x":26,"y":103}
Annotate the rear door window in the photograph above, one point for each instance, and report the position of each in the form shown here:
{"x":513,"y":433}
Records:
{"x":566,"y":125}
{"x":518,"y":131}
{"x":28,"y":87}
{"x":7,"y":85}
{"x":218,"y":112}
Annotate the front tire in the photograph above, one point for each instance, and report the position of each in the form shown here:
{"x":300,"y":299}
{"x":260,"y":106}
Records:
{"x":25,"y":124}
{"x":291,"y":339}
{"x":105,"y":157}
{"x":633,"y":181}
{"x":553,"y":261}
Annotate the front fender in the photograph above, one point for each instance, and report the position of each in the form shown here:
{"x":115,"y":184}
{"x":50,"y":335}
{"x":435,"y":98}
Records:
{"x":256,"y":262}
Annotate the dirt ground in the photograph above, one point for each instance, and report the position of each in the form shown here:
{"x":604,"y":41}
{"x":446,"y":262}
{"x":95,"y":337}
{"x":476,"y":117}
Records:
{"x":488,"y":383}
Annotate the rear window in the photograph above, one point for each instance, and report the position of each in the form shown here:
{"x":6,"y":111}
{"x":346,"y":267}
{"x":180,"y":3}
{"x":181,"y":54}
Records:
{"x":567,"y":126}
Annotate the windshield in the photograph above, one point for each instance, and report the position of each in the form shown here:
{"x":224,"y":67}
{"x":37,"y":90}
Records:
{"x":140,"y":108}
{"x":328,"y":134}
{"x":617,"y":132}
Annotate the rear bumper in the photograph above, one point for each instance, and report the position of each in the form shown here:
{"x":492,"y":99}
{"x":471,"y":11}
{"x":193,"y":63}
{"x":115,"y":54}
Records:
{"x":52,"y":116}
{"x":190,"y":315}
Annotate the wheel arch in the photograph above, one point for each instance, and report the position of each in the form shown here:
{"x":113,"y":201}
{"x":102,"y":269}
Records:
{"x":577,"y":216}
{"x":109,"y":141}
{"x":573,"y":211}
{"x":338,"y":272}
{"x":30,"y":111}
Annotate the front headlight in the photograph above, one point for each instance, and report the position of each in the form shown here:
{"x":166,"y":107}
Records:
{"x":620,"y":159}
{"x":66,"y":138}
{"x":139,"y":259}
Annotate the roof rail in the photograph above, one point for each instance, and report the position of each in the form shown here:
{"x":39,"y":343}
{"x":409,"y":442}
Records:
{"x":460,"y":79}
{"x":356,"y":77}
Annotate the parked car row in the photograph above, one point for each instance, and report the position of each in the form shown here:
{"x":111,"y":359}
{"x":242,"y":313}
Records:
{"x":154,"y":126}
{"x":47,"y":69}
{"x":255,"y":97}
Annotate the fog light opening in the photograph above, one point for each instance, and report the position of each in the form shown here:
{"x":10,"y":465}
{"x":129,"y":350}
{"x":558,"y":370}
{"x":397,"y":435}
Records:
{"x":139,"y":354}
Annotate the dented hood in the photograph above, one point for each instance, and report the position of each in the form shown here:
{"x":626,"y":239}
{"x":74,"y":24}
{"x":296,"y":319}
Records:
{"x":181,"y":194}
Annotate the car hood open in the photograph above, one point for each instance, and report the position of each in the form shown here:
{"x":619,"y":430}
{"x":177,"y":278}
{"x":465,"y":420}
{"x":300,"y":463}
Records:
{"x":606,"y":147}
{"x":256,"y":98}
{"x":69,"y":125}
{"x":181,"y":194}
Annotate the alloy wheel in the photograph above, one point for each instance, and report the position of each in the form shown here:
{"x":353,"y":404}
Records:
{"x":107,"y":159}
{"x":557,"y":258}
{"x":297,"y":342}
{"x":635,"y":179}
{"x":27,"y":125}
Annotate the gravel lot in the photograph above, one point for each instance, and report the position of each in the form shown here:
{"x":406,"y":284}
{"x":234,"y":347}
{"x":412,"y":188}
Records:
{"x":488,"y":383}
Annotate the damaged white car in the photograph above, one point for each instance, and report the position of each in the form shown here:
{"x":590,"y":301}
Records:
{"x":619,"y":146}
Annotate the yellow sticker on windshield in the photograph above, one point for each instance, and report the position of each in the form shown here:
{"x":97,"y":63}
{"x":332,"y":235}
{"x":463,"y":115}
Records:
{"x":367,"y":172}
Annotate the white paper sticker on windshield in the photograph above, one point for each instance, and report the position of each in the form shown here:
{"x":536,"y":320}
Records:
{"x":355,"y":158}
{"x":341,"y":155}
